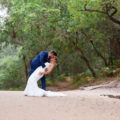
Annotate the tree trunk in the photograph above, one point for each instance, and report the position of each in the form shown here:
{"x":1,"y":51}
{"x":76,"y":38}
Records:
{"x":99,"y":54}
{"x":82,"y":55}
{"x":115,"y":44}
{"x":96,"y":50}
{"x":25,"y":68}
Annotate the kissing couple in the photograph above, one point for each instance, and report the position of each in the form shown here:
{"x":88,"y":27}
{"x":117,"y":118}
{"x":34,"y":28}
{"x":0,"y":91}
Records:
{"x":40,"y":66}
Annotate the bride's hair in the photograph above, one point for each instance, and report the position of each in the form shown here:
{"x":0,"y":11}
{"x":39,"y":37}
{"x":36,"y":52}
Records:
{"x":56,"y":59}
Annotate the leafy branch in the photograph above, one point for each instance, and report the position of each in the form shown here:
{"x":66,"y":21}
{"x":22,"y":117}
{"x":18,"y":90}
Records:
{"x":110,"y":11}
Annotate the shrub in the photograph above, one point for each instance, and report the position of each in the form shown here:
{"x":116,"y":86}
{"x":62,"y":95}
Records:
{"x":12,"y":72}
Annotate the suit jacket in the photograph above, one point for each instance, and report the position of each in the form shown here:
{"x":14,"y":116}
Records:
{"x":40,"y":60}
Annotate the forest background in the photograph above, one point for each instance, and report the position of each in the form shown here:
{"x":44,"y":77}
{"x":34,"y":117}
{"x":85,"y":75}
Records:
{"x":85,"y":34}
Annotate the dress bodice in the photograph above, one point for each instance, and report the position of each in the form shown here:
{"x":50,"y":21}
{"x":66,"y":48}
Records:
{"x":47,"y":65}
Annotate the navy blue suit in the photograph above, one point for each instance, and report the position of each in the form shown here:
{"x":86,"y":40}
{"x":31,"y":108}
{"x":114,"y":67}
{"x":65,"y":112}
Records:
{"x":40,"y":60}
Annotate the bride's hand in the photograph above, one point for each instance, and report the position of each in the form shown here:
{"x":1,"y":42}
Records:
{"x":46,"y":69}
{"x":41,"y":73}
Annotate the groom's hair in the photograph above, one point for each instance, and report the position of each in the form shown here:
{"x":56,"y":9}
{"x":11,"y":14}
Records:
{"x":53,"y":52}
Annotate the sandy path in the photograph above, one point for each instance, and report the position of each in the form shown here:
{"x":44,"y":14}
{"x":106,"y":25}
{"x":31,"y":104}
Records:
{"x":78,"y":105}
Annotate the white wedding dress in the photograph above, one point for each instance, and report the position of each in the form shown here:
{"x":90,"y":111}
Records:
{"x":32,"y":88}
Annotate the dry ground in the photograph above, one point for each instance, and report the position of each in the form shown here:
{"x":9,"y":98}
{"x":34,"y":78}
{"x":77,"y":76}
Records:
{"x":77,"y":105}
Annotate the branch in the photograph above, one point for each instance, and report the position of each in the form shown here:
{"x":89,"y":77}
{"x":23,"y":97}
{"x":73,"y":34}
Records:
{"x":17,"y":41}
{"x":108,"y":9}
{"x":13,"y":36}
{"x":91,"y":10}
{"x":84,"y":33}
{"x":114,"y":20}
{"x":114,"y":12}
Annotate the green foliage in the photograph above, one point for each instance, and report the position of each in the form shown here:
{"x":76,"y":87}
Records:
{"x":33,"y":26}
{"x":11,"y":72}
{"x":82,"y":79}
{"x":11,"y":68}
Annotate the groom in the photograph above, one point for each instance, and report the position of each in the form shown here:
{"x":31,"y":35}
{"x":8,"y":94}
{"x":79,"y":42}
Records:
{"x":40,"y":60}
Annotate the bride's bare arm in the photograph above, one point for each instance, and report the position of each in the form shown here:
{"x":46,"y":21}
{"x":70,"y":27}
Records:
{"x":49,"y":70}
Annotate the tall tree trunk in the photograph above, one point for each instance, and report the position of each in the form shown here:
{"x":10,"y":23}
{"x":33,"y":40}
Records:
{"x":99,"y":54}
{"x":110,"y":53}
{"x":25,"y":68}
{"x":96,"y":50}
{"x":115,"y":44}
{"x":82,"y":55}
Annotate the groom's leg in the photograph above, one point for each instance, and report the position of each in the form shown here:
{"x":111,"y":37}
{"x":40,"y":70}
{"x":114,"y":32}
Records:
{"x":43,"y":83}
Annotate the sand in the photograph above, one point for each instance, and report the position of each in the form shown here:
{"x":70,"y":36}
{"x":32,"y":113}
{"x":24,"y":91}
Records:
{"x":77,"y":105}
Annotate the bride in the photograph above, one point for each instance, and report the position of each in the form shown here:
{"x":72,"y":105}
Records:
{"x":32,"y":88}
